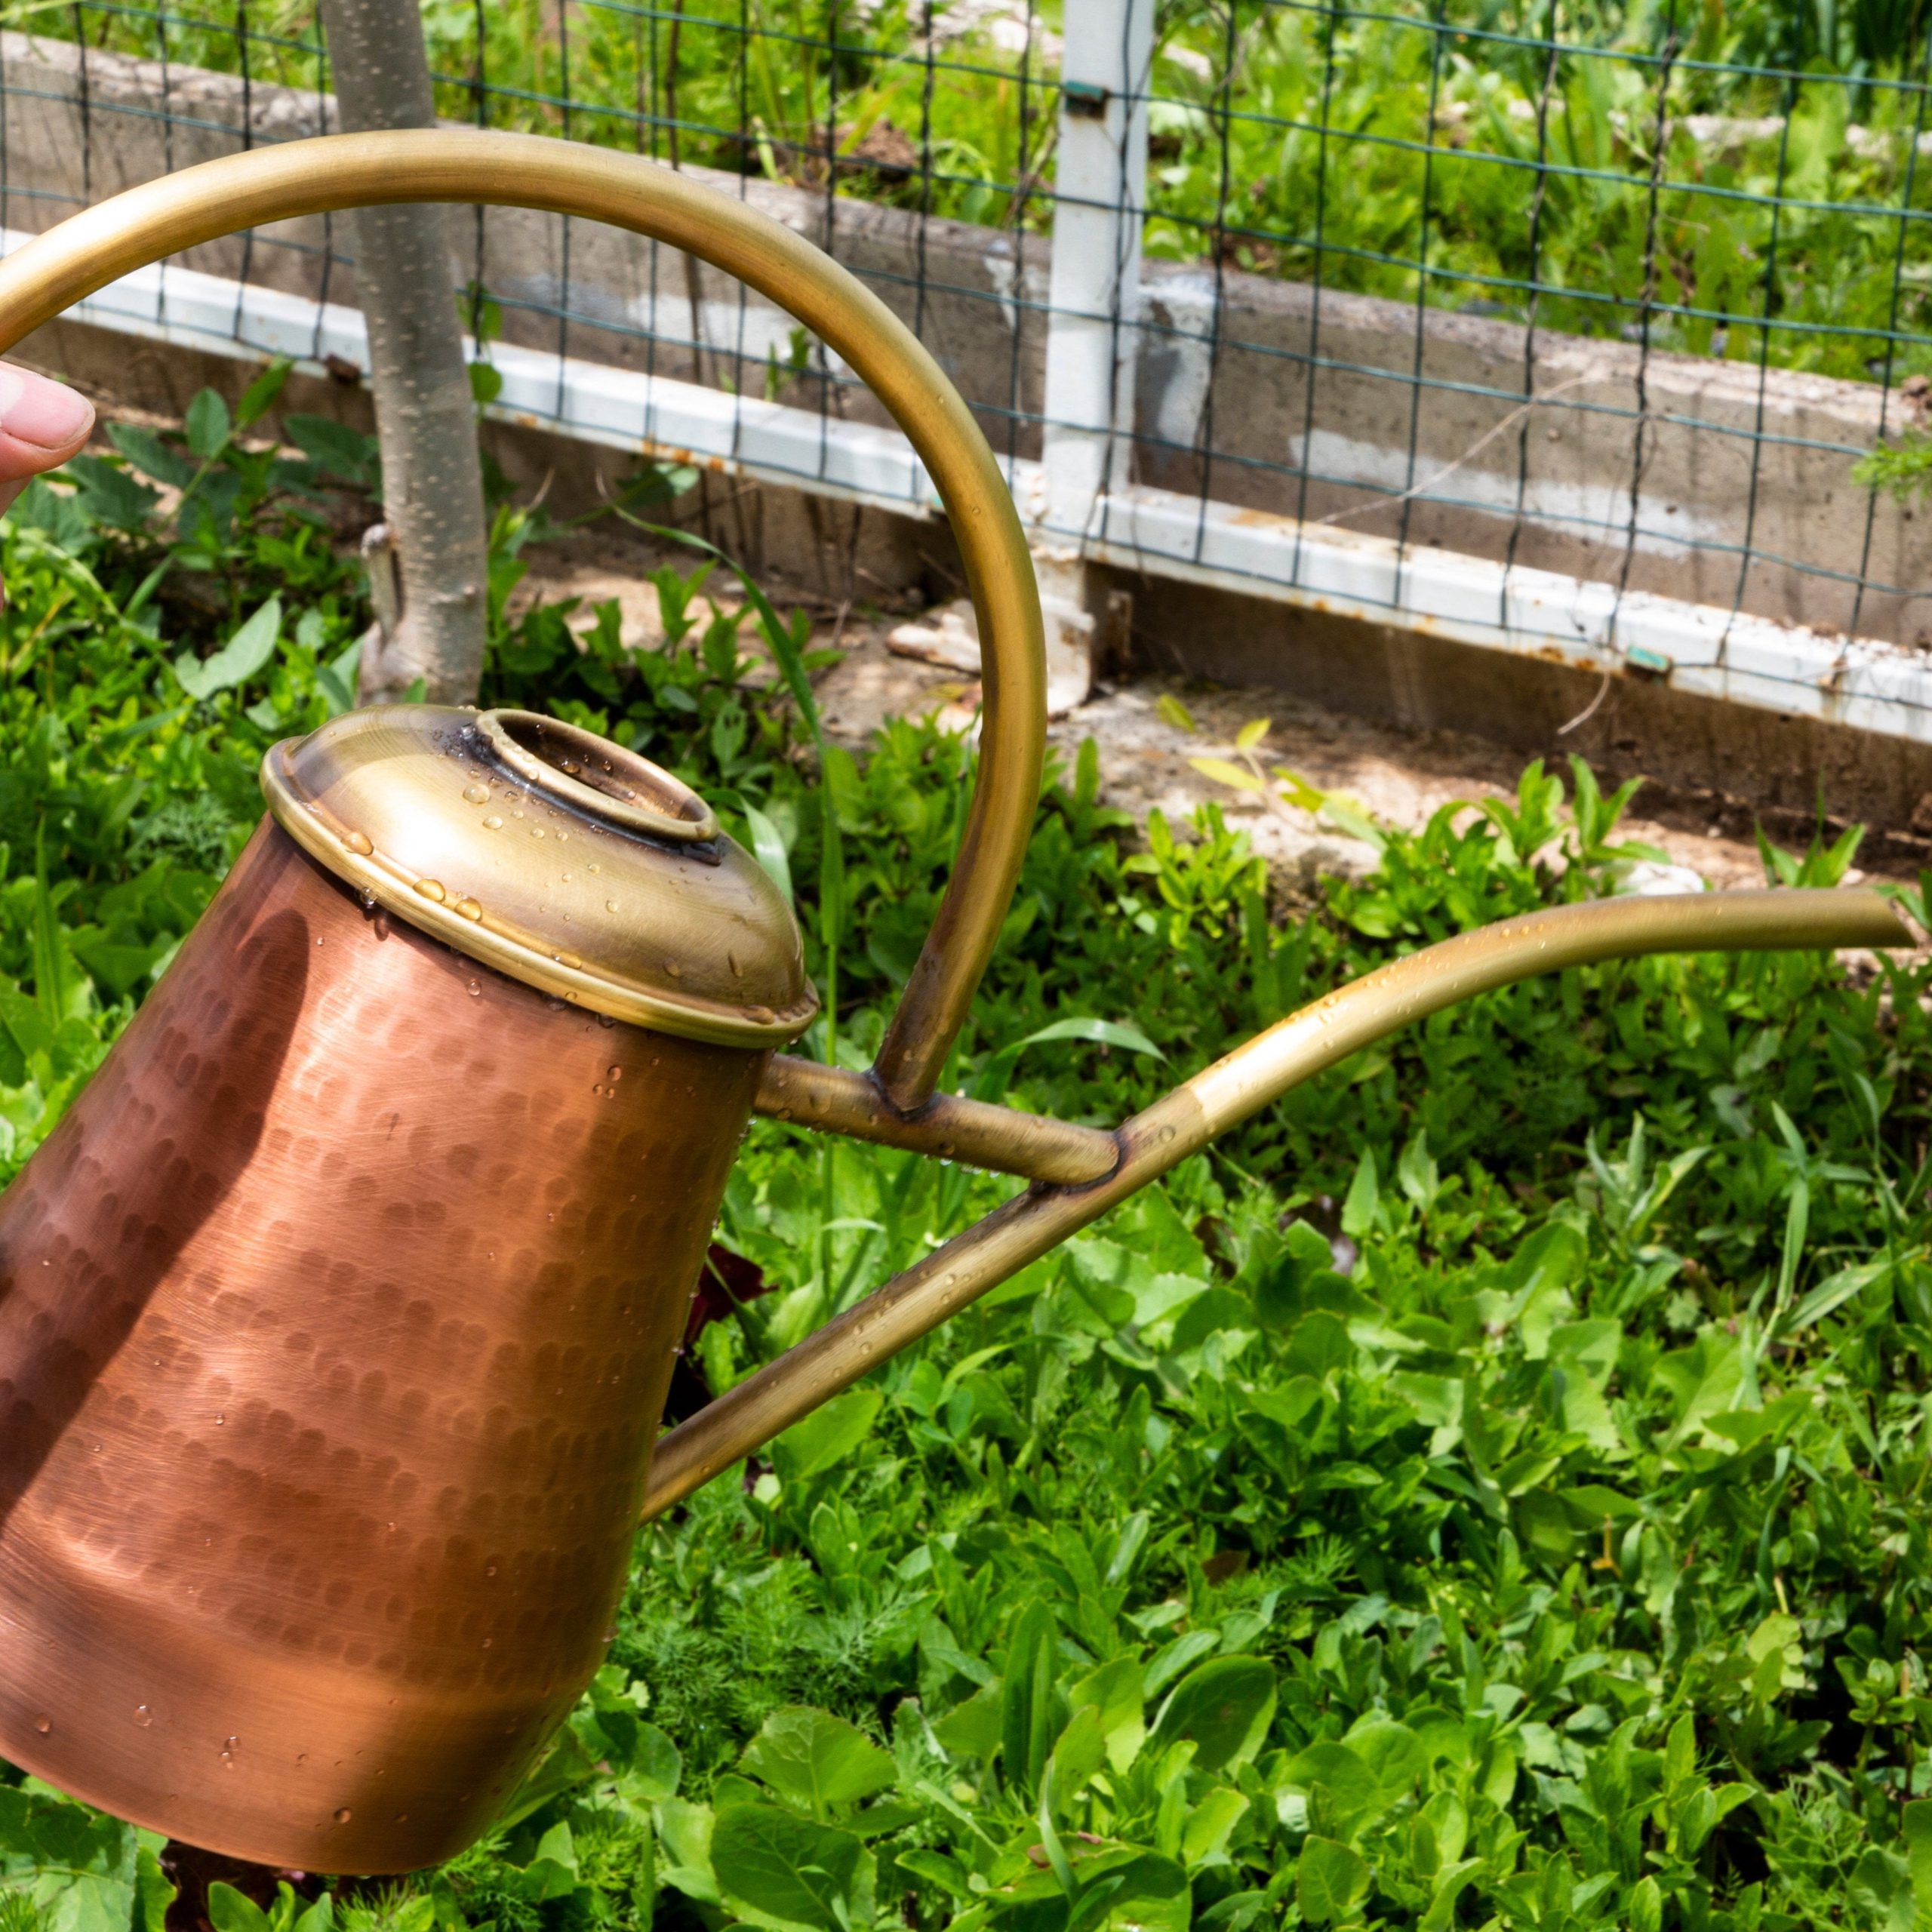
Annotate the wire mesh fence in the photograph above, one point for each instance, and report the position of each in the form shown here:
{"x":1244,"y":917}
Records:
{"x":1624,"y":294}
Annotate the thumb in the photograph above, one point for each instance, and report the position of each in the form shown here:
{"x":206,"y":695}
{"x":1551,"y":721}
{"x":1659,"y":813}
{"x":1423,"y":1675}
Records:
{"x":42,"y":424}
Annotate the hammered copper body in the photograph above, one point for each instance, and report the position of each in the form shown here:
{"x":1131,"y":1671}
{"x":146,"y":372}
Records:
{"x":335,"y":1323}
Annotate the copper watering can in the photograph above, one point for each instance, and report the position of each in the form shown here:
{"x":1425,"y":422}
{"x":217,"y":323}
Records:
{"x":336,"y":1317}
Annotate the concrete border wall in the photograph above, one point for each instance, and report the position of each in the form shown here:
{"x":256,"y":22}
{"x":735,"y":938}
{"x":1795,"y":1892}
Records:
{"x":1723,"y":452}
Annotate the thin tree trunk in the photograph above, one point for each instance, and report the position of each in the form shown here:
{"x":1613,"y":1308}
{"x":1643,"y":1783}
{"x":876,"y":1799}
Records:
{"x":432,"y":485}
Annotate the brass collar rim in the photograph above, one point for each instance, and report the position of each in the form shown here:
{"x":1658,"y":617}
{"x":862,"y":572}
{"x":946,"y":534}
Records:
{"x":685,"y":818}
{"x":382,"y":880}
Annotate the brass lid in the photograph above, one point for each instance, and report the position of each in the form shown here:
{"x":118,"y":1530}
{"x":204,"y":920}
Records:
{"x":554,"y":856}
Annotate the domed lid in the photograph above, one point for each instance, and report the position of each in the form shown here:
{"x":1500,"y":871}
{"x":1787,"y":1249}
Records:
{"x":554,"y":856}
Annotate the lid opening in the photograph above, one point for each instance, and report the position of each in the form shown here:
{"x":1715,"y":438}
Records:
{"x":596,"y":777}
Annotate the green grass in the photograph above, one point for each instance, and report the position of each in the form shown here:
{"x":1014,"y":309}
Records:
{"x":1487,"y":1491}
{"x":1364,"y":147}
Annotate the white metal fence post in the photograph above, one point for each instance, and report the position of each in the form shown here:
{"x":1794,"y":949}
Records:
{"x":1092,"y":341}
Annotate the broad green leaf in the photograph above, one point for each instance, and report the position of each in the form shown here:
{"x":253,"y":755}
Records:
{"x":79,"y":1866}
{"x":245,"y":653}
{"x":208,"y":430}
{"x":229,"y":1910}
{"x":1210,"y":1823}
{"x":1077,"y":1753}
{"x":787,"y":1872}
{"x":1351,"y":1787}
{"x":1331,"y":1880}
{"x":551,"y":1873}
{"x":768,"y":848}
{"x":1916,"y":1823}
{"x":261,"y":394}
{"x":685,"y":1830}
{"x":1391,"y":1750}
{"x":817,"y":1760}
{"x":829,"y":1434}
{"x":1115,"y":1691}
{"x":1029,"y":1715}
{"x":1225,"y":1707}
{"x":1237,"y":776}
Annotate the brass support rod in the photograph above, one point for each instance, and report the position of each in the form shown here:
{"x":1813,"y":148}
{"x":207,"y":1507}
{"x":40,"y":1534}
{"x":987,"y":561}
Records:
{"x":275,"y":184}
{"x":837,"y":1100}
{"x":1186,"y":1120}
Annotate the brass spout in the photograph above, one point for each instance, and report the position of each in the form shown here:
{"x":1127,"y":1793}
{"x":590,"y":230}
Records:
{"x":1220,"y":1096}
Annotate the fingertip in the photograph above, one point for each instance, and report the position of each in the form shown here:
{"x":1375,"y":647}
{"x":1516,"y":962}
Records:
{"x":42,"y":424}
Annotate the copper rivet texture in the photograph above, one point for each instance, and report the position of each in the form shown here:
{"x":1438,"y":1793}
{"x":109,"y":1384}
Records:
{"x":335,"y":1321}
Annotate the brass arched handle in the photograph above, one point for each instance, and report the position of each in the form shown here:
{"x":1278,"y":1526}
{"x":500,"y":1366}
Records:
{"x":338,"y":171}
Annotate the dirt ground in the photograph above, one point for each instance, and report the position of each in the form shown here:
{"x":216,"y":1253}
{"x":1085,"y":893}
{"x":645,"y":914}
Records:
{"x":1398,"y":776}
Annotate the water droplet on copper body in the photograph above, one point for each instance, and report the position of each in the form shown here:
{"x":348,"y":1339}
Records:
{"x":143,"y":1716}
{"x":43,"y":1724}
{"x":368,"y":899}
{"x":431,"y":889}
{"x":343,"y":1815}
{"x":613,"y":1073}
{"x":354,"y":842}
{"x":475,"y":989}
{"x":476,"y":794}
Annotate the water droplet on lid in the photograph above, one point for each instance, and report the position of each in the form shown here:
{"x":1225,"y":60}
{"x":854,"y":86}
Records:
{"x":469,"y":908}
{"x":476,"y":794}
{"x":368,"y":899}
{"x":610,"y":905}
{"x":762,"y":1016}
{"x":610,"y":1635}
{"x":357,"y":843}
{"x":343,"y":1816}
{"x":569,"y":767}
{"x":43,"y":1724}
{"x":731,"y":960}
{"x":143,"y":1716}
{"x":493,"y":823}
{"x":562,"y":835}
{"x":431,"y":889}
{"x":672,"y":967}
{"x":537,"y":832}
{"x":596,"y":868}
